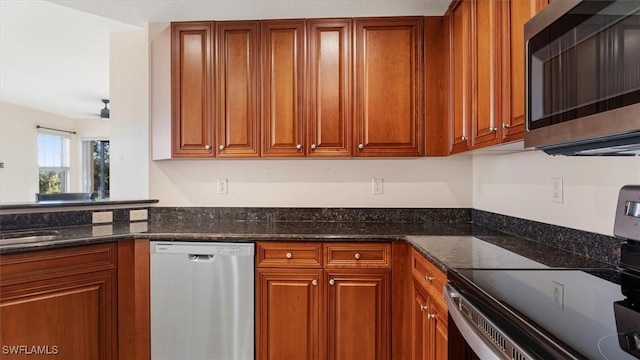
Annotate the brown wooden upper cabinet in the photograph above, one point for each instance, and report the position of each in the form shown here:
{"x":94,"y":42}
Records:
{"x":389,"y":107}
{"x":458,"y":20}
{"x":191,"y":90}
{"x":486,"y":71}
{"x":237,"y":89}
{"x":288,"y":88}
{"x":514,"y":15}
{"x":329,"y":103}
{"x":283,"y":88}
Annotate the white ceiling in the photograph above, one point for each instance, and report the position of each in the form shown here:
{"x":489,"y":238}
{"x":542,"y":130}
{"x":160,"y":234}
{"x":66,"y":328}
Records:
{"x":54,"y":58}
{"x":54,"y":55}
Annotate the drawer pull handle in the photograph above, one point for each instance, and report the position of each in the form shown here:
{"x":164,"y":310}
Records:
{"x":429,"y":278}
{"x":331,"y":282}
{"x":314,"y":282}
{"x":289,"y":255}
{"x":423,"y":307}
{"x":357,"y":256}
{"x":431,"y":316}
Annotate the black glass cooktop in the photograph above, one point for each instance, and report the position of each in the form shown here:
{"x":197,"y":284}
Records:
{"x":574,"y":308}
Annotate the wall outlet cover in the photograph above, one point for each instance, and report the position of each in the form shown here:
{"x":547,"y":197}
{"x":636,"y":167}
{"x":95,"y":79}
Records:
{"x":100,"y":217}
{"x":138,"y":215}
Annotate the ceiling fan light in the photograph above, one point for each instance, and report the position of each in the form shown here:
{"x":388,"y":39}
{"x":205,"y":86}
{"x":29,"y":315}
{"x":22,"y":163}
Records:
{"x":104,"y":113}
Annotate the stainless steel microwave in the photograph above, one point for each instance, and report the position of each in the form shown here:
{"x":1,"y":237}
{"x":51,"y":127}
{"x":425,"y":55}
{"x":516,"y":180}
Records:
{"x":583,"y":78}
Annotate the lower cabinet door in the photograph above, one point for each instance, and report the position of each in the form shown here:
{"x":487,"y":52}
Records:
{"x":288,"y":324}
{"x":72,"y":317}
{"x":440,"y":339}
{"x":358,"y":315}
{"x":420,"y":325}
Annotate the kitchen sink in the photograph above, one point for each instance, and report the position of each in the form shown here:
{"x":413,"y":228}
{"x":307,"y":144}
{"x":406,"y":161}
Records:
{"x":29,"y":236}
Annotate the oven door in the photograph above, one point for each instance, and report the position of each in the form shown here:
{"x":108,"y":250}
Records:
{"x":473,"y":335}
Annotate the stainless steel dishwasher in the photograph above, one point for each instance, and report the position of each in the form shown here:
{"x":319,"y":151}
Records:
{"x":202,"y":300}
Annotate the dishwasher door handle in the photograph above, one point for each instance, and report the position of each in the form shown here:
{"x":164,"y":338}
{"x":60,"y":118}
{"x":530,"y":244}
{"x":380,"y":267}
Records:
{"x":200,"y":257}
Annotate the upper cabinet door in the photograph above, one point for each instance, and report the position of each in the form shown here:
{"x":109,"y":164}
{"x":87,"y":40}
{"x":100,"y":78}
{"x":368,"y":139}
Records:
{"x":329,"y":97}
{"x":238,"y":100}
{"x":389,"y":110}
{"x":485,"y":121}
{"x":460,"y":79}
{"x":515,"y":14}
{"x":191,"y":89}
{"x":283,"y":88}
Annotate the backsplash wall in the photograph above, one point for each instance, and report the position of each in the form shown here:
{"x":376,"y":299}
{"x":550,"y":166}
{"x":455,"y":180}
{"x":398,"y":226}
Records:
{"x":424,"y":182}
{"x":519,"y":185}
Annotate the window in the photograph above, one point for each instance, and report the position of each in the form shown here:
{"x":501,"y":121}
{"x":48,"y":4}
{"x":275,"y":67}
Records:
{"x":53,"y":160}
{"x":96,"y":167}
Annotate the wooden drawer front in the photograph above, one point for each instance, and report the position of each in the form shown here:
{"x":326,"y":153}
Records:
{"x":432,"y":278}
{"x":365,"y":255}
{"x":47,"y":264}
{"x":290,"y":254}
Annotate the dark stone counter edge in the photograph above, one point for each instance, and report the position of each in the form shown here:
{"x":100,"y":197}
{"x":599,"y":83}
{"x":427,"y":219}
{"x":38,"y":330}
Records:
{"x":221,"y":237}
{"x":56,"y":244}
{"x":61,"y":204}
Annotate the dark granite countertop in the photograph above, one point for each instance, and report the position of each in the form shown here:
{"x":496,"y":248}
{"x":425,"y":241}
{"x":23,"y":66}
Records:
{"x":448,"y":245}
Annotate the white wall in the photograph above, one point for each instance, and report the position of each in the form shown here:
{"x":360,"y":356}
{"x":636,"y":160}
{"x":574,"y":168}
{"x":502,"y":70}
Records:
{"x":519,"y":185}
{"x":129,"y":113}
{"x":19,"y":148}
{"x":425,"y":182}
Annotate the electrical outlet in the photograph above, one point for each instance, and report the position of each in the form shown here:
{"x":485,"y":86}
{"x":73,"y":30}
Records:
{"x":558,"y":295}
{"x":100,"y":217}
{"x":479,"y":186}
{"x":139,"y":227}
{"x":222,"y":187}
{"x":557,"y":191}
{"x":102,"y":230}
{"x":137,"y":215}
{"x":378,"y":186}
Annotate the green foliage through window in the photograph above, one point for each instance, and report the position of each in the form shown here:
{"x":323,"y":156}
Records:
{"x":50,"y":182}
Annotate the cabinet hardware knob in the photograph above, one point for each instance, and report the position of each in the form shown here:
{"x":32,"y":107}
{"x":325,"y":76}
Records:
{"x":429,"y":278}
{"x":464,"y":138}
{"x":314,"y":282}
{"x":299,"y":146}
{"x":506,"y":126}
{"x":331,"y":282}
{"x":221,"y":147}
{"x":431,"y":316}
{"x":423,"y":307}
{"x":492,"y":129}
{"x":357,"y":256}
{"x":289,"y":255}
{"x":360,"y":146}
{"x":313,"y":146}
{"x":207,"y":147}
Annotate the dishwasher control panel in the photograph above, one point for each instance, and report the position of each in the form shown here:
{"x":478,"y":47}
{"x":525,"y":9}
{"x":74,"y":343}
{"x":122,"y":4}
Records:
{"x":194,"y":248}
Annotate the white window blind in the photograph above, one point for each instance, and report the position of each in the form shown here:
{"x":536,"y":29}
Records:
{"x":53,"y":151}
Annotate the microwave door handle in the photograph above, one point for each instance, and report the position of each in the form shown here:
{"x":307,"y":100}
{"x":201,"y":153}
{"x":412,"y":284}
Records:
{"x":527,"y":75}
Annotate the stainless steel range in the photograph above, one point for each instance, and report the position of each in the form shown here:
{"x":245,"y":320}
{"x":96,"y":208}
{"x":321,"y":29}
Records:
{"x":552,"y":313}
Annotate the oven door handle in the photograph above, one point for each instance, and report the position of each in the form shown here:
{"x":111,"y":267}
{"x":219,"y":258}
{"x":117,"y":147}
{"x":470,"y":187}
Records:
{"x":473,"y":338}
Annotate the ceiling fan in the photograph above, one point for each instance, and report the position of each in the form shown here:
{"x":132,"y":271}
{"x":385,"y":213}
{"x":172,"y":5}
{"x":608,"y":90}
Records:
{"x":104,"y":113}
